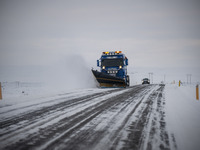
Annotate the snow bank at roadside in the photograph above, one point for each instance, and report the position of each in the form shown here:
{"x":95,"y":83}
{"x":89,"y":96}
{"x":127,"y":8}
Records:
{"x":15,"y":93}
{"x":183,"y":116}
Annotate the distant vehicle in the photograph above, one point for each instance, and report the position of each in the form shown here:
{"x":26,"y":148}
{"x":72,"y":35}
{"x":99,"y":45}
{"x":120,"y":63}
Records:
{"x":145,"y":81}
{"x":113,"y":70}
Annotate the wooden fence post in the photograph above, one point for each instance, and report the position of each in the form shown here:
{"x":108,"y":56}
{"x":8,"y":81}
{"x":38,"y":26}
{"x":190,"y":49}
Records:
{"x":197,"y":92}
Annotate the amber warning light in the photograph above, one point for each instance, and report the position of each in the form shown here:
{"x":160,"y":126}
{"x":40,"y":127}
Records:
{"x":118,"y":52}
{"x":112,"y":53}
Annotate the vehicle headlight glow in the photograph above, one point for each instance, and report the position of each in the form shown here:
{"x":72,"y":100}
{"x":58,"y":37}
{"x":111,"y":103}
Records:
{"x":120,"y":67}
{"x":103,"y":67}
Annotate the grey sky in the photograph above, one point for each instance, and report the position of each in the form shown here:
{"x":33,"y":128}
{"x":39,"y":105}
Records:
{"x":152,"y":33}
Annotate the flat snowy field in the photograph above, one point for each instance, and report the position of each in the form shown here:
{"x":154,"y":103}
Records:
{"x":182,"y":109}
{"x":183,"y":115}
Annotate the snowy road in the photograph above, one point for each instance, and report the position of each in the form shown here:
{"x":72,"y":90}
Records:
{"x":131,"y":118}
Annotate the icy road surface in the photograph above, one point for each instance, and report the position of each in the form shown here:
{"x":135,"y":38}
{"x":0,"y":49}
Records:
{"x":100,"y":119}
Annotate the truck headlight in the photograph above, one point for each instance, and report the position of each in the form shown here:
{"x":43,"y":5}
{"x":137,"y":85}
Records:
{"x":120,"y":67}
{"x":103,"y":67}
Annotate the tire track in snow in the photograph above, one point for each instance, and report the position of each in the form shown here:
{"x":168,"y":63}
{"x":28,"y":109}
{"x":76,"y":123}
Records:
{"x":27,"y":127}
{"x":46,"y":112}
{"x":149,"y":131}
{"x":89,"y":135}
{"x":43,"y":111}
{"x":115,"y":101}
{"x":115,"y":119}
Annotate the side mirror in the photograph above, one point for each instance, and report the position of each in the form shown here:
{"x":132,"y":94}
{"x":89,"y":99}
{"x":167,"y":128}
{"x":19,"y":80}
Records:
{"x":97,"y":63}
{"x":126,"y":61}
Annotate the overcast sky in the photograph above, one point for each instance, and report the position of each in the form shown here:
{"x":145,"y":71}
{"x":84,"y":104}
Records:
{"x":154,"y":34}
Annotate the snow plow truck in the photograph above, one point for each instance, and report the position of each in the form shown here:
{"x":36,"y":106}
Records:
{"x":113,"y":70}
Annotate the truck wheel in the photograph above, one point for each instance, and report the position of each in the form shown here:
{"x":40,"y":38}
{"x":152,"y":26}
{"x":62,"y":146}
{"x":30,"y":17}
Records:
{"x":127,"y":81}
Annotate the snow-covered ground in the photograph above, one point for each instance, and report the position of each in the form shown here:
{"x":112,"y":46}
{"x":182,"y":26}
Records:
{"x":22,"y":93}
{"x":183,"y":115}
{"x":182,"y":109}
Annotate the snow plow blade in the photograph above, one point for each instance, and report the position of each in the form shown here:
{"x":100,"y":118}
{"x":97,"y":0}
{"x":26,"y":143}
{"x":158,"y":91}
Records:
{"x":106,"y":80}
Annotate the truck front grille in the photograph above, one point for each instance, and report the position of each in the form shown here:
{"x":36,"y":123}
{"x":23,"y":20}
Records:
{"x":112,"y":71}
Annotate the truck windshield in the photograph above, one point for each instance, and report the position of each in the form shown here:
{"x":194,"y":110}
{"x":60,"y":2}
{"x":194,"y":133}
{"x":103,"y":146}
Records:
{"x":112,"y":62}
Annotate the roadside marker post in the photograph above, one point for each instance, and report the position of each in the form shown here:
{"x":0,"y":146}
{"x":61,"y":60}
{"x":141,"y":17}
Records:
{"x":197,"y":92}
{"x":179,"y":83}
{"x":0,"y":92}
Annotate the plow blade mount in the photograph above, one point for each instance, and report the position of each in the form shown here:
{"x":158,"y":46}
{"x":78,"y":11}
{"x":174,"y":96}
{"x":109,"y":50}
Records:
{"x":106,"y":80}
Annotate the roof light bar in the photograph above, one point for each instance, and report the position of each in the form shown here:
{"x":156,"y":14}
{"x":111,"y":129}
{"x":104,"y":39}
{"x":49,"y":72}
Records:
{"x":112,"y":53}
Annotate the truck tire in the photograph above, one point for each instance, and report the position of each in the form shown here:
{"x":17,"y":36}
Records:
{"x":127,"y":81}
